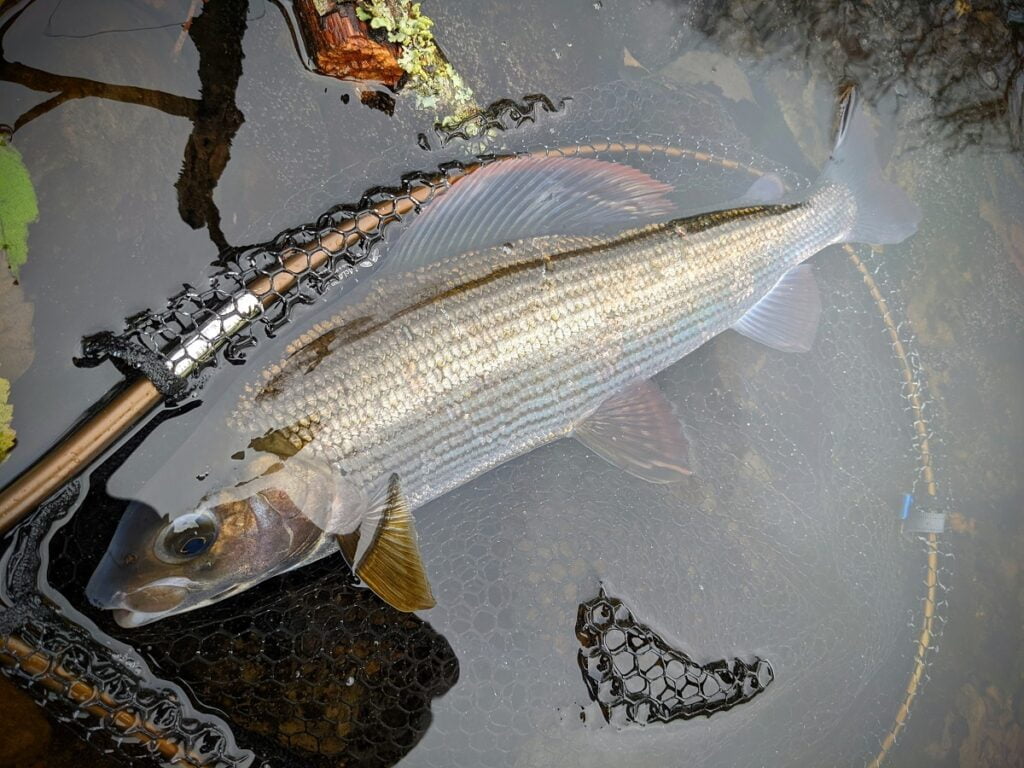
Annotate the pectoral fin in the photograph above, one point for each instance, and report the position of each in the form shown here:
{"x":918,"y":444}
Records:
{"x":787,"y":317}
{"x":383,"y":552}
{"x":637,"y":431}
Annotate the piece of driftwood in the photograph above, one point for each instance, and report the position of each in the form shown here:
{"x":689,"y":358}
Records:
{"x":340,"y":45}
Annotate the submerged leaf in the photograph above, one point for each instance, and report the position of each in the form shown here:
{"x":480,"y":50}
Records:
{"x":16,"y":312}
{"x":6,"y":413}
{"x":710,"y":68}
{"x":629,"y":60}
{"x":18,"y":206}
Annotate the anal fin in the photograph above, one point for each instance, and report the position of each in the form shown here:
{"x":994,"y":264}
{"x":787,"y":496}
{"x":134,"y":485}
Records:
{"x":637,"y":431}
{"x":786,"y":318}
{"x":385,"y":555}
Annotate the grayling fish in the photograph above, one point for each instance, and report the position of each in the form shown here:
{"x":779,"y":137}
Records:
{"x":493,"y":328}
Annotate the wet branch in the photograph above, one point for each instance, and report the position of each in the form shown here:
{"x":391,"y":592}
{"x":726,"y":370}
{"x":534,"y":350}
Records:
{"x":41,"y":109}
{"x":68,"y":88}
{"x":217,"y":34}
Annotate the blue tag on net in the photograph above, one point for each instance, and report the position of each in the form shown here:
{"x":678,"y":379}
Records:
{"x":920,"y":520}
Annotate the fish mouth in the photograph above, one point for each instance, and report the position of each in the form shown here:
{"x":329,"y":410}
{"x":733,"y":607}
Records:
{"x":146,"y":605}
{"x":142,"y":605}
{"x":129,"y":619}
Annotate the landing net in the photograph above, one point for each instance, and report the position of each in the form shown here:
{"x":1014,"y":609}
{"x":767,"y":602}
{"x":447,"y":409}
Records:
{"x":787,"y":549}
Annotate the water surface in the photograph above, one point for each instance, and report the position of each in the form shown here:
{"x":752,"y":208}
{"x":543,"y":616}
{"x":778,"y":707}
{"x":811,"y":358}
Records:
{"x":787,"y":546}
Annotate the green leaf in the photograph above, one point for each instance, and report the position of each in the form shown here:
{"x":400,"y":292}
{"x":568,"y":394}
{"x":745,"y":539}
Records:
{"x":6,"y":412}
{"x":18,"y":207}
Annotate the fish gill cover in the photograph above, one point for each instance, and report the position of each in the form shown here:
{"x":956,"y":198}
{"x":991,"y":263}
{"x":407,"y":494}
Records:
{"x":785,"y":547}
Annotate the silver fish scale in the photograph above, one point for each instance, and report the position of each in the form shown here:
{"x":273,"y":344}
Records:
{"x":460,"y":365}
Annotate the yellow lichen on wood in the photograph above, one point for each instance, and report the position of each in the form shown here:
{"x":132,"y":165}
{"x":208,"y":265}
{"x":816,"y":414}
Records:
{"x":432,"y":78}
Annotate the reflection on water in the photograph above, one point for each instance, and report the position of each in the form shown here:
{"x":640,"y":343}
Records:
{"x":217,"y":36}
{"x":966,"y":58}
{"x":786,"y":546}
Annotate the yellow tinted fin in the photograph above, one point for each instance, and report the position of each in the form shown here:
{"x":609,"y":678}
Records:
{"x":349,"y":542}
{"x":386,"y":555}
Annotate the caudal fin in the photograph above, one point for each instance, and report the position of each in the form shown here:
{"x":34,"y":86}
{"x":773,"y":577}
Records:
{"x":884,"y":212}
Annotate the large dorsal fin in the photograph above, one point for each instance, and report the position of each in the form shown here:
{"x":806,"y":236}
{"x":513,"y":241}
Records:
{"x":524,"y":197}
{"x":383,"y":552}
{"x":637,"y":431}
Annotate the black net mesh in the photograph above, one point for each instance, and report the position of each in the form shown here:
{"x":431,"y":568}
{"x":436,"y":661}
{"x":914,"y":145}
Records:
{"x":310,"y":669}
{"x":264,"y":283}
{"x":102,"y":692}
{"x":636,"y":677}
{"x":786,"y":548}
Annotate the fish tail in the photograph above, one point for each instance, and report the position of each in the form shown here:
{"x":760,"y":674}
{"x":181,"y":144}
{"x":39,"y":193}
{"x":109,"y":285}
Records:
{"x":884,"y":212}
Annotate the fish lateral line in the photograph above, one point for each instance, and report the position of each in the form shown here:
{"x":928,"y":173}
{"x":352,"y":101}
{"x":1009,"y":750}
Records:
{"x":360,"y":328}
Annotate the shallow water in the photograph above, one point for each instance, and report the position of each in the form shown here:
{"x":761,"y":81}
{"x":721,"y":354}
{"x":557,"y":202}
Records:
{"x":787,"y":547}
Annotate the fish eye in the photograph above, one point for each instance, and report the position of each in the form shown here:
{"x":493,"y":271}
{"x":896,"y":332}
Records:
{"x":186,"y":537}
{"x":193,"y":546}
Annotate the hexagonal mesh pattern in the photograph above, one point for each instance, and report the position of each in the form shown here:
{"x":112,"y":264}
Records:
{"x":638,"y":678}
{"x":350,"y":679}
{"x":103,"y":693}
{"x":308,"y":669}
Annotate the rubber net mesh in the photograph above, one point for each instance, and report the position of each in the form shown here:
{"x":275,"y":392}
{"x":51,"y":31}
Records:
{"x":637,"y":678}
{"x":784,"y":554}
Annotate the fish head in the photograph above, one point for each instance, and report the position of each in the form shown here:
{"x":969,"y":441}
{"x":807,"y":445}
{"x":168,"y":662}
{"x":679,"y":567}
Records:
{"x":158,"y":565}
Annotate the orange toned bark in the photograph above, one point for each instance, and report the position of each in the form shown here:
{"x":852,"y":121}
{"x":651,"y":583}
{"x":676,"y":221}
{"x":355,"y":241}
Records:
{"x":340,"y":45}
